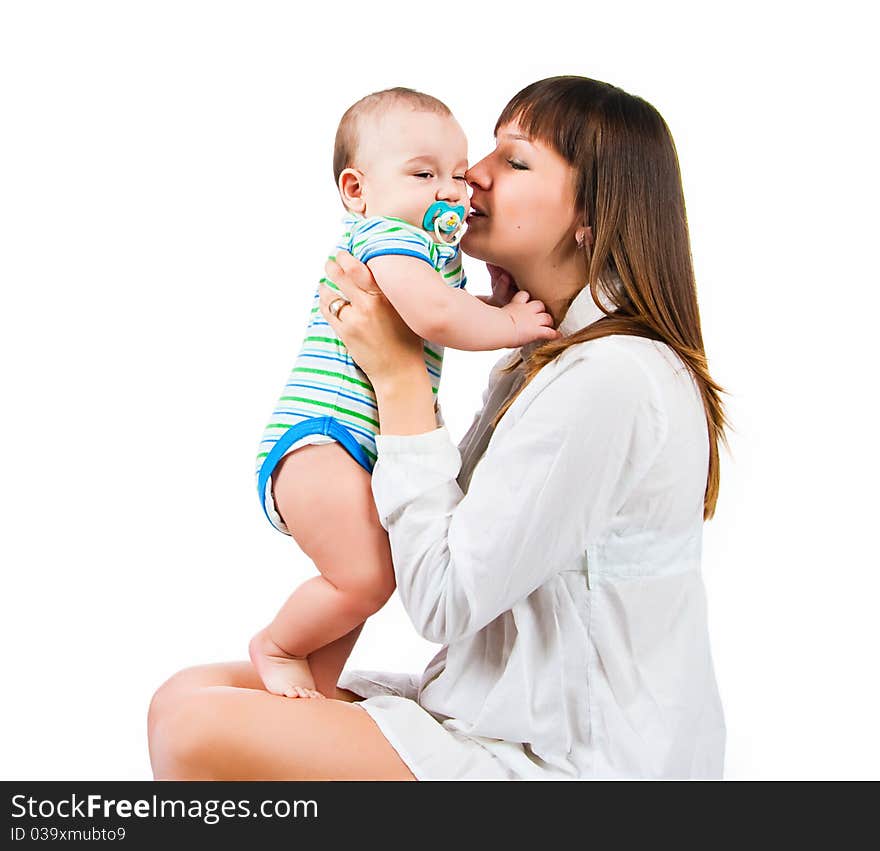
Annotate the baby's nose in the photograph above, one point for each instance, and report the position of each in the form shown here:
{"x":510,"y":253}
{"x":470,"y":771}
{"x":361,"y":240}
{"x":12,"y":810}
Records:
{"x":452,"y":190}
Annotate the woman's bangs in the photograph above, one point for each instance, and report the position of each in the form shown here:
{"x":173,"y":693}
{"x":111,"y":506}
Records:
{"x":550,"y":123}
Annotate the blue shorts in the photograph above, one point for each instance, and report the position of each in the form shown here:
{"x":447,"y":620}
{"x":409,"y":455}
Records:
{"x":317,"y":430}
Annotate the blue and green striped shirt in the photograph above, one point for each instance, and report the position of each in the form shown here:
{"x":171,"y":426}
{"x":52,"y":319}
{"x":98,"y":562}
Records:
{"x":325,"y":380}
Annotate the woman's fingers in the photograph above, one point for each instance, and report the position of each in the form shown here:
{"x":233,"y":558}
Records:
{"x":350,"y":275}
{"x":334,"y":272}
{"x":499,"y":277}
{"x":497,"y":274}
{"x":325,"y":296}
{"x":356,"y":272}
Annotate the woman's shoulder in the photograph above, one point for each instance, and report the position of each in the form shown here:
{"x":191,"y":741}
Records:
{"x":621,"y":376}
{"x":627,"y":357}
{"x":619,"y":348}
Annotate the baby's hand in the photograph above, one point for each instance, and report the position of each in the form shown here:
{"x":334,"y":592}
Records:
{"x":530,"y":321}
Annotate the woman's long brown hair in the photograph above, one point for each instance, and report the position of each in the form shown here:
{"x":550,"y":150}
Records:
{"x":629,"y":188}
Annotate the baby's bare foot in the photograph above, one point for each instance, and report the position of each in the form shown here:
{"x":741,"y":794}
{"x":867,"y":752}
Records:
{"x":280,"y":672}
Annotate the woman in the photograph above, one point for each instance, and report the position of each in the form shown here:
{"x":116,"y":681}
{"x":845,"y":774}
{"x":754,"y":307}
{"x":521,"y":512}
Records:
{"x":555,"y":554}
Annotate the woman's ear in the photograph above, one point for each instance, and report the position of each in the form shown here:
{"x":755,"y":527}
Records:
{"x":351,"y":188}
{"x":583,"y":235}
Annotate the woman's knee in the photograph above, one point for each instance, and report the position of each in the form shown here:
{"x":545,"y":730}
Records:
{"x":170,"y":692}
{"x":178,"y":735}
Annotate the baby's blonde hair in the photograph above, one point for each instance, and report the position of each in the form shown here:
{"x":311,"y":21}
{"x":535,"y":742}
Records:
{"x":347,"y":134}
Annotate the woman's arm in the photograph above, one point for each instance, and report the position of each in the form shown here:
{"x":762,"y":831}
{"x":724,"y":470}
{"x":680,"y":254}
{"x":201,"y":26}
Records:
{"x":559,"y":466}
{"x":406,"y":403}
{"x":549,"y":483}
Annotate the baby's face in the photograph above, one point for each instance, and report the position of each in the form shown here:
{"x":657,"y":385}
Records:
{"x":409,"y":160}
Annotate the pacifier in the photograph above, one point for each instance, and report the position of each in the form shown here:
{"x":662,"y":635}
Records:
{"x":446,"y":221}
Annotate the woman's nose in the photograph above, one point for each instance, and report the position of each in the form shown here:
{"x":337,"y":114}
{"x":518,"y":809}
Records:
{"x":476,"y":176}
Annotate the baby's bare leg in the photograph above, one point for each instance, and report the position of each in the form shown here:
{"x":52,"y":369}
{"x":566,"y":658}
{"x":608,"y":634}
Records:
{"x":327,"y":662}
{"x":326,"y":501}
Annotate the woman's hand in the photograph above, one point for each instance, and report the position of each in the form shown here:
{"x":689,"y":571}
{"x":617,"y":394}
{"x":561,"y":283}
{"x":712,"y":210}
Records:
{"x":380,"y":342}
{"x":504,"y":288}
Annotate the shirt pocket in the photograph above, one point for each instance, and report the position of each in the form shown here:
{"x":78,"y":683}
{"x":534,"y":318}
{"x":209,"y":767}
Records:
{"x":582,"y":569}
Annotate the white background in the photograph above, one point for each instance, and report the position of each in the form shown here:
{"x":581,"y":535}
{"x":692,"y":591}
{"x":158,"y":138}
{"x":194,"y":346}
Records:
{"x":166,"y":205}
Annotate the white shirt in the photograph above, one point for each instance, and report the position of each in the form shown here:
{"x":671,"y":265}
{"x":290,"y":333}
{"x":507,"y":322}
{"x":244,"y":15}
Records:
{"x":557,"y":560}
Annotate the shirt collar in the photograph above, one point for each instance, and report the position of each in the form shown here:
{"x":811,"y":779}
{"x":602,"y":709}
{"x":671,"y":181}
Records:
{"x":582,"y":311}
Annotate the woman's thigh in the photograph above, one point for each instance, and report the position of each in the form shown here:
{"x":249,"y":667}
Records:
{"x":217,"y":722}
{"x":240,"y":674}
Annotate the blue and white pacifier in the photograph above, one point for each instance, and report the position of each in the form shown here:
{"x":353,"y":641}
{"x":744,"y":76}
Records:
{"x":446,"y":221}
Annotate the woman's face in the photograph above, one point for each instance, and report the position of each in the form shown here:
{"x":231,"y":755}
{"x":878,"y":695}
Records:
{"x":522,"y":209}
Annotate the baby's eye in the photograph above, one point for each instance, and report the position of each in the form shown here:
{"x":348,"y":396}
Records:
{"x":424,"y":174}
{"x":460,"y":177}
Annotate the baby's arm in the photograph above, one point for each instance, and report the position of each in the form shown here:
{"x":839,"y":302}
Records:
{"x":446,"y":315}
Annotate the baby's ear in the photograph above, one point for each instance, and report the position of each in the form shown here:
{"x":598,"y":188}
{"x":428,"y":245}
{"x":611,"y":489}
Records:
{"x":351,"y":190}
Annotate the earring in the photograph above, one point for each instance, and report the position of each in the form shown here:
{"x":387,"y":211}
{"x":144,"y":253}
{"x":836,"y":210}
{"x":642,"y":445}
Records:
{"x":579,"y":238}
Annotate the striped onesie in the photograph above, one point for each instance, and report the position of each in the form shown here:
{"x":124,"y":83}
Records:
{"x":327,"y":397}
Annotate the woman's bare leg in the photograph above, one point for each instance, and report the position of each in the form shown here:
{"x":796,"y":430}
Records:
{"x":241,"y":674}
{"x":217,"y":722}
{"x":326,"y":501}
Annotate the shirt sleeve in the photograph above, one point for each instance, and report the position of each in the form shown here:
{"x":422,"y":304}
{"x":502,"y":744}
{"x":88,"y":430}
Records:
{"x":549,"y":483}
{"x":378,"y":235}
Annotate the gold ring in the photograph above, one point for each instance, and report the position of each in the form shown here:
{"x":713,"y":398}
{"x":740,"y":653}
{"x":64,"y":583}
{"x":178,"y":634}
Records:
{"x":337,"y":304}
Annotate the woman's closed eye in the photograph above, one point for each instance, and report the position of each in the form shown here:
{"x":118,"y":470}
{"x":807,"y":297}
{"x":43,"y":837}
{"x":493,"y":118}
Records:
{"x":520,"y":166}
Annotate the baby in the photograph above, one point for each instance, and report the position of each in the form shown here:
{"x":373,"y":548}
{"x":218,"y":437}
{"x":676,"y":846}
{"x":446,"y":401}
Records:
{"x":399,"y":162}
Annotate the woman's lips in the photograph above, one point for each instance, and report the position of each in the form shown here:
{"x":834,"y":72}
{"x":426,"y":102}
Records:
{"x":475,"y":214}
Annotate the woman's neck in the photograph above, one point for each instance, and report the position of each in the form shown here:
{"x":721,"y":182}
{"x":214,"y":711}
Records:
{"x":556,"y":286}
